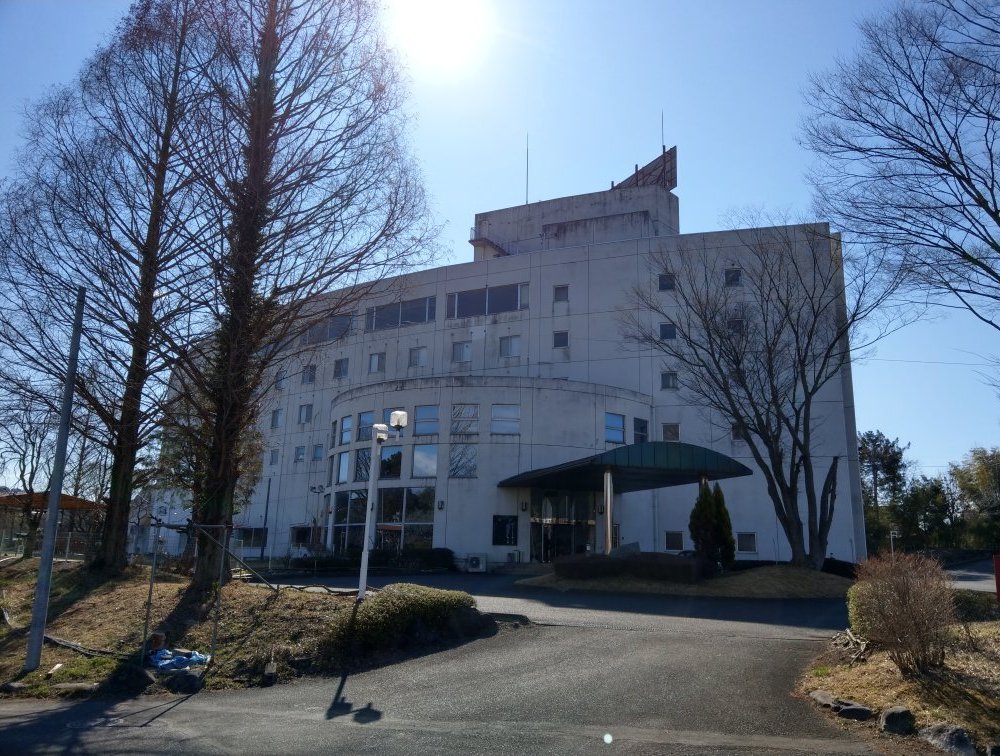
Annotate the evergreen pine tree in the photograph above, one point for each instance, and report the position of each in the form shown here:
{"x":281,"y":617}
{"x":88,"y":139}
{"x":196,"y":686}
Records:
{"x":701,"y":523}
{"x":724,"y":540}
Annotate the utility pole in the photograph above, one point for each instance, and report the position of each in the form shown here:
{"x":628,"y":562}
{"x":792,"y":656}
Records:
{"x":40,"y":609}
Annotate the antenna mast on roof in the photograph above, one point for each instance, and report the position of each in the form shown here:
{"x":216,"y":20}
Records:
{"x":525,"y":168}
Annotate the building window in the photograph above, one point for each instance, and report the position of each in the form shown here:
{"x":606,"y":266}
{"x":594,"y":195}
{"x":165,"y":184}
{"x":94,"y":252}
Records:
{"x":365,"y":422}
{"x":425,"y":421}
{"x":309,"y":374}
{"x":736,"y":326}
{"x":305,"y":413}
{"x":462,"y":460}
{"x":317,"y":453}
{"x":560,"y":339}
{"x":505,"y":530}
{"x":560,"y":293}
{"x":668,"y":380}
{"x":667,"y":282}
{"x":614,"y":428}
{"x":674,"y":540}
{"x":461,"y":351}
{"x":343,"y":466}
{"x":399,"y":314}
{"x":274,"y":457}
{"x":506,"y":419}
{"x":465,"y":418}
{"x":277,"y":417}
{"x":424,"y":461}
{"x":746,"y":543}
{"x":390,"y":462}
{"x":249,"y":538}
{"x":671,"y":431}
{"x":640,"y":430}
{"x":510,"y":346}
{"x":488,"y":301}
{"x":668,"y":331}
{"x":340,"y":368}
{"x":346,"y":429}
{"x":734,"y":277}
{"x":300,"y":453}
{"x":376,"y":362}
{"x":419,"y":357}
{"x":280,"y":379}
{"x":329,"y":329}
{"x":739,"y":432}
{"x":362,"y":464}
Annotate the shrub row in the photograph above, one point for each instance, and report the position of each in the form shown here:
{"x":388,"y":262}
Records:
{"x":649,"y":566}
{"x":406,"y":559}
{"x":397,"y":617}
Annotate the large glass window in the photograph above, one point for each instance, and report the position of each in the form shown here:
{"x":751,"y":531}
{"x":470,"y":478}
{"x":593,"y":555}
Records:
{"x":390,"y":505}
{"x":506,"y":418}
{"x":614,"y":428}
{"x":465,"y":418}
{"x":462,"y":461}
{"x":343,"y":466}
{"x":425,"y":421}
{"x":424,"y":461}
{"x":362,"y":464}
{"x":410,"y":312}
{"x":329,"y":329}
{"x":420,"y":504}
{"x":346,"y":429}
{"x":391,"y":462}
{"x":365,"y":422}
{"x":488,"y":301}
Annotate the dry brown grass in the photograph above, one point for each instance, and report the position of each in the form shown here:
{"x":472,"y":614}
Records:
{"x":965,"y":691}
{"x":778,"y":581}
{"x":110,"y":615}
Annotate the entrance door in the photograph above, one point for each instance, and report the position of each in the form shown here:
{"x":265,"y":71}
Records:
{"x":562,"y":523}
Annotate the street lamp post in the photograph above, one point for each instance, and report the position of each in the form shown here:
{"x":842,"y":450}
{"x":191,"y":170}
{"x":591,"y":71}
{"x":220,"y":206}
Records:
{"x":380,"y":433}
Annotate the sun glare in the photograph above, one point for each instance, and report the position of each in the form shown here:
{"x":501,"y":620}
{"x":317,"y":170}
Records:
{"x":440,"y":37}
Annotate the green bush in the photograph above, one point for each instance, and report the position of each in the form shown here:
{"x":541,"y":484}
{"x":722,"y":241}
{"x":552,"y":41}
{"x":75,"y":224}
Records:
{"x":397,"y":617}
{"x":905,"y":606}
{"x":710,"y":526}
{"x":583,"y":567}
{"x":975,"y":606}
{"x":669,"y":567}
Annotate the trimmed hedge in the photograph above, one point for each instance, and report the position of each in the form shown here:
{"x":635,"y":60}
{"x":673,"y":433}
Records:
{"x":399,"y":616}
{"x":646,"y":566}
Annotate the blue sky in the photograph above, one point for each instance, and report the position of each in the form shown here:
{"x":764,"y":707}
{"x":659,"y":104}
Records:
{"x":588,"y":82}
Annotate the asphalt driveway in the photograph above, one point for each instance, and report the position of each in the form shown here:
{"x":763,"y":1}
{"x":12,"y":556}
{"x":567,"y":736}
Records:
{"x":977,"y":576}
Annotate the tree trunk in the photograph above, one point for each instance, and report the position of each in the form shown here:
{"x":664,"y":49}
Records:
{"x":31,"y":536}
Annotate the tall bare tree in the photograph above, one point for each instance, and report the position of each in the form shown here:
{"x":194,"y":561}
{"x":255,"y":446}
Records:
{"x":103,"y":200}
{"x":301,"y":154}
{"x":758,"y":333}
{"x":907,"y":135}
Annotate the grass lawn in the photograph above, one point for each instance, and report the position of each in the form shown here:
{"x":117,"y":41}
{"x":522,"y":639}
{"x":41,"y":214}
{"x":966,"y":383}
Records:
{"x":778,"y":581}
{"x":965,"y":692}
{"x":255,"y":623}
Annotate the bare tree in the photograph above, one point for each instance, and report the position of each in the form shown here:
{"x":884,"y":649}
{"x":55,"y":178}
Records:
{"x":102,"y":200}
{"x":907,"y":136}
{"x":757,"y":331}
{"x":27,"y":447}
{"x":302,"y":158}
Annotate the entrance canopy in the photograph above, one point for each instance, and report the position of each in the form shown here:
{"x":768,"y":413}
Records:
{"x":637,"y":467}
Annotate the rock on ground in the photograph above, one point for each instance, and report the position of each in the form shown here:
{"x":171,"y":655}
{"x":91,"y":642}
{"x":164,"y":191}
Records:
{"x":898,"y":720}
{"x":949,"y":738}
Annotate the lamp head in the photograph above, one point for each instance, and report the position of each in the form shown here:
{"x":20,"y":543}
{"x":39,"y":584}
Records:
{"x":398,"y":420}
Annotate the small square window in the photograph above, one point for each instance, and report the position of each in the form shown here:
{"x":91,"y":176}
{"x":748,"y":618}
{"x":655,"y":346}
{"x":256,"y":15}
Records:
{"x":671,"y":431}
{"x":300,"y":453}
{"x":746,"y":543}
{"x":419,"y":357}
{"x":462,"y":460}
{"x":461,"y":351}
{"x":734,"y":277}
{"x":505,"y":419}
{"x":736,"y":326}
{"x":668,"y":380}
{"x":280,"y":378}
{"x":277,"y":417}
{"x":674,"y":540}
{"x":739,"y":432}
{"x":317,"y":453}
{"x":274,"y":457}
{"x":667,"y":282}
{"x":305,"y":413}
{"x":560,"y":339}
{"x":340,"y":368}
{"x":309,"y":374}
{"x":560,"y":293}
{"x":510,"y":346}
{"x":376,"y":362}
{"x":668,"y":331}
{"x":465,"y":418}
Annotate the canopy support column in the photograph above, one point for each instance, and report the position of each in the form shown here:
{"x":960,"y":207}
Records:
{"x":609,"y":496}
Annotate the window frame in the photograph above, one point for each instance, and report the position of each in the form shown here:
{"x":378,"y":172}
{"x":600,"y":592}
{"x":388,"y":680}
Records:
{"x":501,"y":420}
{"x":669,"y":380}
{"x":308,"y":374}
{"x":752,"y":534}
{"x":558,"y":289}
{"x":419,"y":351}
{"x":666,"y":282}
{"x":511,"y":340}
{"x":663,"y":431}
{"x":558,"y":336}
{"x":305,"y":413}
{"x":733,"y":277}
{"x":465,"y":347}
{"x":614,"y":430}
{"x":668,"y":330}
{"x":376,"y":363}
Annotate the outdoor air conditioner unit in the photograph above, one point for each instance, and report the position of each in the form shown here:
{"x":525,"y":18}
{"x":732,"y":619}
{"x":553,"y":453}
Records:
{"x":476,"y":563}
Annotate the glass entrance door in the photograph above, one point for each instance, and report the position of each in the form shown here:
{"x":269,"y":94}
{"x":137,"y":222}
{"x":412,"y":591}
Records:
{"x":562,"y":523}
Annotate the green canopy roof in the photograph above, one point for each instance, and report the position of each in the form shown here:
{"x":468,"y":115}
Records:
{"x":637,"y":467}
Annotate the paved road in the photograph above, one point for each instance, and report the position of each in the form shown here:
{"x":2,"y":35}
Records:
{"x":978,"y":576}
{"x":653,"y":675}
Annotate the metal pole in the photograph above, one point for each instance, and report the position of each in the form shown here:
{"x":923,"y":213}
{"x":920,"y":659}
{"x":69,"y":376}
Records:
{"x":373,"y":469}
{"x":66,"y":555}
{"x":267,"y":505}
{"x":40,"y":609}
{"x":149,"y":597}
{"x":609,"y":496}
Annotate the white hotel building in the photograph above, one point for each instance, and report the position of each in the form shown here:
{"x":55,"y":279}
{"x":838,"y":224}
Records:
{"x":508,"y":365}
